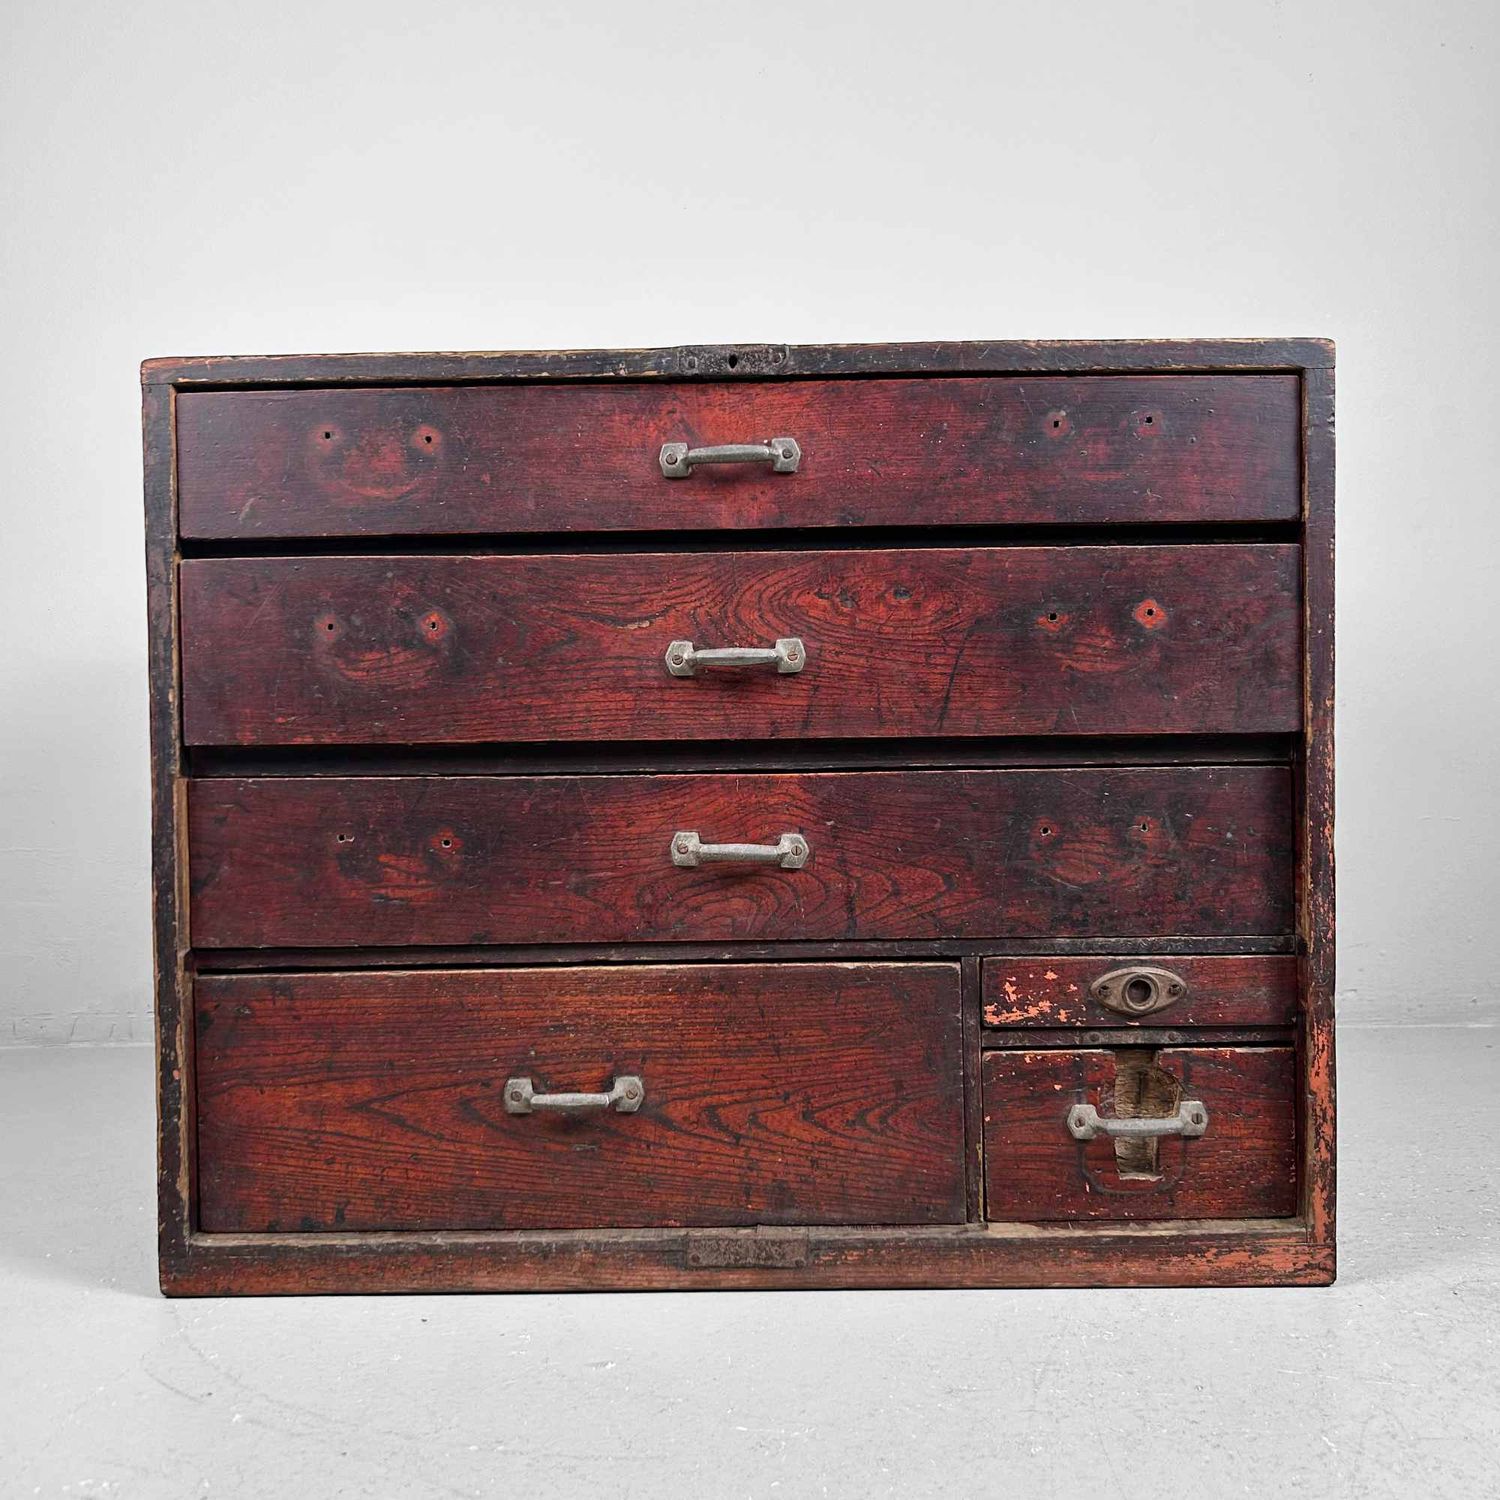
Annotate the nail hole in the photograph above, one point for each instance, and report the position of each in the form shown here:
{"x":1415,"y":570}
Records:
{"x":1046,"y":831}
{"x":427,"y":437}
{"x":1145,"y":828}
{"x":327,"y":436}
{"x":329,"y":625}
{"x":734,"y":359}
{"x":1057,"y":421}
{"x":1150,"y":420}
{"x":447,"y":843}
{"x":1051,"y":614}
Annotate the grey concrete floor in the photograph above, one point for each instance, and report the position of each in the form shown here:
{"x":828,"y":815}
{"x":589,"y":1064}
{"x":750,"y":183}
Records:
{"x":1386,"y":1385}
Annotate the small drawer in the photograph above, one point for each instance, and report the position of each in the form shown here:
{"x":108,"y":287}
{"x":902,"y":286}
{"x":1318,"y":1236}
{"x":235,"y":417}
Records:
{"x":335,"y":861}
{"x":1063,"y":1134}
{"x":700,"y":1095}
{"x":969,"y":450}
{"x":692,"y":646}
{"x":1129,"y":990}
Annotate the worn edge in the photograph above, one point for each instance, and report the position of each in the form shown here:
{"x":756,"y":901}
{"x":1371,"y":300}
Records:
{"x":168,"y":831}
{"x":1201,"y":1253}
{"x":1315,"y":869}
{"x":753,"y":361}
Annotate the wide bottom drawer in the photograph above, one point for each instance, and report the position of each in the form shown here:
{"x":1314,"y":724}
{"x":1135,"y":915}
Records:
{"x":1132,"y":1133}
{"x":712,"y":1095}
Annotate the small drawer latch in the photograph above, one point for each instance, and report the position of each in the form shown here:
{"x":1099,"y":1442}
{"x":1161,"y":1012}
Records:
{"x":1138,"y":990}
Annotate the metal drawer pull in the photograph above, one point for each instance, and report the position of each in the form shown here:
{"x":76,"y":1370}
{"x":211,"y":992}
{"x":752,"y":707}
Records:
{"x":625,"y":1096}
{"x":783,"y":455}
{"x":789,"y":655}
{"x":791,"y":852}
{"x":1085,"y":1122}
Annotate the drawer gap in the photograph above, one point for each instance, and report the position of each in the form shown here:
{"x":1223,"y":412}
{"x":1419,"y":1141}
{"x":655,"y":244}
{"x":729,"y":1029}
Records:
{"x":759,"y":539}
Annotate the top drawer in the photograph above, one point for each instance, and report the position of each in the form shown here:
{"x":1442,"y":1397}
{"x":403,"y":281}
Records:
{"x":972,"y":450}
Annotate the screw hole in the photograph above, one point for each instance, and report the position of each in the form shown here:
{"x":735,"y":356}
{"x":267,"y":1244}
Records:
{"x":447,"y":843}
{"x":1046,"y":831}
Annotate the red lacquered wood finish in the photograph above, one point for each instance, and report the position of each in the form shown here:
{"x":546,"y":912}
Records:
{"x":790,"y":1094}
{"x":985,"y":641}
{"x":333,"y":861}
{"x":1071,"y":711}
{"x":1243,"y":1166}
{"x":1219,"y":990}
{"x":513,"y":458}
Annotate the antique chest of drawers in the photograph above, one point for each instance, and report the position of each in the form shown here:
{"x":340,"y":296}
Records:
{"x":744,"y":817}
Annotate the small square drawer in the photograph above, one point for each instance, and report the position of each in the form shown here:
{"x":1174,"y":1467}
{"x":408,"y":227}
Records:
{"x":1133,"y":1133}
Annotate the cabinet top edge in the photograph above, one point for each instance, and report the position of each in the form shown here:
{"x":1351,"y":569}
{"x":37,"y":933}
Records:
{"x":754,"y":362}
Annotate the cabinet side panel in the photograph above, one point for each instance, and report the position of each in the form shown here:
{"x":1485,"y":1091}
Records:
{"x":168,"y":825}
{"x":1315,"y":873}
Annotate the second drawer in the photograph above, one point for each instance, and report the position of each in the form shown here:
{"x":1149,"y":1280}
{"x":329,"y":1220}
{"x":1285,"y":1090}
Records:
{"x":983,"y":641}
{"x":348,"y":861}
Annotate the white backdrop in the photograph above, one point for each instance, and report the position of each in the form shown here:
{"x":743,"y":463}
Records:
{"x":217,"y":178}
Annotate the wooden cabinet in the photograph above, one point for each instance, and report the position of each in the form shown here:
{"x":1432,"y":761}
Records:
{"x":753,"y":816}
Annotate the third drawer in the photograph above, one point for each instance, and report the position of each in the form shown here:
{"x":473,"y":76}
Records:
{"x":332,"y":861}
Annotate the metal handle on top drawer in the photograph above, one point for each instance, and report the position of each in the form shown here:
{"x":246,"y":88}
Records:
{"x":782,"y":453}
{"x":788,"y":655}
{"x":791,"y":852}
{"x":1191,"y":1119}
{"x":625,"y":1096}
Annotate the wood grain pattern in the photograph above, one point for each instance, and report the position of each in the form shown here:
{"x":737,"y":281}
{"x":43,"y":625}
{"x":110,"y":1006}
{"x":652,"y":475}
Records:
{"x":801,"y":1094}
{"x":1223,"y":990}
{"x":987,"y":641}
{"x":418,"y":859}
{"x":566,"y":457}
{"x":1245,"y":1166}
